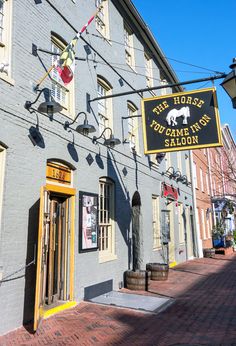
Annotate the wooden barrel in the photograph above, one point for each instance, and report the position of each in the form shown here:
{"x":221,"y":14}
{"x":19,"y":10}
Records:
{"x":159,"y":271}
{"x":209,"y":252}
{"x":137,"y":280}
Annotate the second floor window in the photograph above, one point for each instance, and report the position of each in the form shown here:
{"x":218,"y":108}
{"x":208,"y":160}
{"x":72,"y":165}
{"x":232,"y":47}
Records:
{"x":5,"y":34}
{"x":61,"y":93}
{"x":104,"y":105}
{"x":133,"y":127}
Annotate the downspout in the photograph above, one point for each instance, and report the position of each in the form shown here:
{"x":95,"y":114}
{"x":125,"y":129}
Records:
{"x":196,"y":226}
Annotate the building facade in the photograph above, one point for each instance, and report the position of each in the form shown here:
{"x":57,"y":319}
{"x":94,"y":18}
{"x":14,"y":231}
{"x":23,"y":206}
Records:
{"x":57,"y":185}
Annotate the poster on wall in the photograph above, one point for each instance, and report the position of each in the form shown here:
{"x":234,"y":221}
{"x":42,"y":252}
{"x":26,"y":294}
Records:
{"x":181,"y":121}
{"x":88,"y":221}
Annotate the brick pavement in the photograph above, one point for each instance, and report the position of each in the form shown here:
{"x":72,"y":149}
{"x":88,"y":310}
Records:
{"x":204,"y":313}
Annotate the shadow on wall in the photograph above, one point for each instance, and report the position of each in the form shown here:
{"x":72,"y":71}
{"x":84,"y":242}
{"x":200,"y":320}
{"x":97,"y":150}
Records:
{"x":30,"y":273}
{"x":123,"y":208}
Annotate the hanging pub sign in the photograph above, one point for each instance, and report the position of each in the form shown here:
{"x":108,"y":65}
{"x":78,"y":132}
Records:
{"x":169,"y":192}
{"x":181,"y":121}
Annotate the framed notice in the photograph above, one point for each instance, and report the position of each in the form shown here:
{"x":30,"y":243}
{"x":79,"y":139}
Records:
{"x":181,"y":121}
{"x":88,"y":221}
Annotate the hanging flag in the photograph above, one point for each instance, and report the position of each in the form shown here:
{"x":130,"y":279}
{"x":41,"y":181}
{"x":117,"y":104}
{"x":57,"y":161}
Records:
{"x":66,"y":64}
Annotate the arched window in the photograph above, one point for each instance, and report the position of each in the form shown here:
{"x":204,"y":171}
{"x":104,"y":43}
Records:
{"x":106,"y":219}
{"x":104,"y":105}
{"x":61,"y":93}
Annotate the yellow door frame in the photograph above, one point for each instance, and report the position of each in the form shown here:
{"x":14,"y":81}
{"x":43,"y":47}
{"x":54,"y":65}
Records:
{"x":38,"y":311}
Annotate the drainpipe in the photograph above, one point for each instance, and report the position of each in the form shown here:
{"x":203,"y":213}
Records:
{"x":196,"y":226}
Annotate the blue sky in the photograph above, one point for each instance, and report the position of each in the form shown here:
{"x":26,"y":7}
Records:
{"x":201,"y":33}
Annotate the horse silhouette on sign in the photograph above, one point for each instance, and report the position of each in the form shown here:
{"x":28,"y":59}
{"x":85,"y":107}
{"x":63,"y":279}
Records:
{"x":176,"y":113}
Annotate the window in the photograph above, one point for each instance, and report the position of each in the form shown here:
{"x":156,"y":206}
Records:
{"x":163,"y":90}
{"x":102,"y":17}
{"x":187,"y":165}
{"x":129,"y":50}
{"x":181,"y":223}
{"x":148,"y":70}
{"x":179,"y":161}
{"x":156,"y":222}
{"x":61,"y":94}
{"x":106,"y":219}
{"x":168,"y":160}
{"x":104,"y":105}
{"x":203,"y":224}
{"x":5,"y":37}
{"x":133,"y":127}
{"x":195,"y":174}
{"x":201,"y":180}
{"x":207,"y":184}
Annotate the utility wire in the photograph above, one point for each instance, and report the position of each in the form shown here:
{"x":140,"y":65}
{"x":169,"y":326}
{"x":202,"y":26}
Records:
{"x":141,"y":50}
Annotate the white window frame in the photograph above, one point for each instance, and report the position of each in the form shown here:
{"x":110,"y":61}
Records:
{"x":133,"y":127}
{"x":6,"y":42}
{"x":203,"y":223}
{"x":201,"y":180}
{"x":102,"y":18}
{"x":148,"y":70}
{"x":105,"y":114}
{"x":207,"y":184}
{"x":61,"y":93}
{"x":156,"y":225}
{"x":179,"y":161}
{"x":106,"y":220}
{"x":195,"y":174}
{"x":129,"y":46}
{"x":163,"y":81}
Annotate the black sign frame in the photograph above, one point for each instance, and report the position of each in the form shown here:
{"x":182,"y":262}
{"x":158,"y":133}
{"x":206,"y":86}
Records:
{"x":88,"y":221}
{"x":199,"y":127}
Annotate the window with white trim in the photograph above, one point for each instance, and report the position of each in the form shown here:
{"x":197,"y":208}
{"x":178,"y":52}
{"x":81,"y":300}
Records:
{"x":102,"y":22}
{"x":181,"y":223}
{"x":207,"y":184}
{"x":203,"y":224}
{"x":106,"y":219}
{"x":133,"y":127}
{"x":61,"y":93}
{"x":129,"y":49}
{"x":5,"y":36}
{"x":104,"y":106}
{"x":156,"y":228}
{"x":195,"y":174}
{"x":148,"y":70}
{"x":163,"y":90}
{"x":201,"y":180}
{"x":179,"y":161}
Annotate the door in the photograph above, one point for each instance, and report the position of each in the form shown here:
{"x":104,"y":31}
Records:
{"x":55,"y":262}
{"x":170,"y":207}
{"x":43,"y":231}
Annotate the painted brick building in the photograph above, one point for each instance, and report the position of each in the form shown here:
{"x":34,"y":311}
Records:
{"x":52,"y":177}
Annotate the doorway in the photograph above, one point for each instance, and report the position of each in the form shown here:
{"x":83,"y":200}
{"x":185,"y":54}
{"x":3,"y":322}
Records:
{"x":55,"y":257}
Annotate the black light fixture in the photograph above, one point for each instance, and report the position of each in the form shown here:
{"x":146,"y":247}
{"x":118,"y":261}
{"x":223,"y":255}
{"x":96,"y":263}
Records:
{"x":110,"y":142}
{"x":50,"y":106}
{"x":85,"y":128}
{"x":229,"y":83}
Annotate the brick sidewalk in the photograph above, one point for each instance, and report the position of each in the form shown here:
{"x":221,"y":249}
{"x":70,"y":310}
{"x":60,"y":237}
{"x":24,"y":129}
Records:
{"x":204,"y":313}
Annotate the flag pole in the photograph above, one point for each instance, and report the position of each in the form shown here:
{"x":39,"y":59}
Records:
{"x":77,"y":36}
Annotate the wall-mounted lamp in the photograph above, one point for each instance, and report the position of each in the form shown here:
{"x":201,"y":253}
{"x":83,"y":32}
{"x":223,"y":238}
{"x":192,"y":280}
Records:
{"x":85,"y":128}
{"x":50,"y":106}
{"x":172,"y":173}
{"x":183,"y":179}
{"x":110,"y":142}
{"x":229,"y":83}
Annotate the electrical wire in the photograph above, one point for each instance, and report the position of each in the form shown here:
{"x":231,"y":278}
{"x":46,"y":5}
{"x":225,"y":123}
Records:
{"x":141,"y":50}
